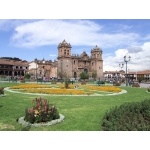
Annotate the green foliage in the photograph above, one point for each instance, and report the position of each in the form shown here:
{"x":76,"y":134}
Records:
{"x":83,"y":113}
{"x":94,"y":75}
{"x":67,"y":82}
{"x":27,"y":76}
{"x":100,"y":82}
{"x":22,"y":80}
{"x":148,"y":89}
{"x":42,"y":111}
{"x":140,"y":78}
{"x":1,"y":90}
{"x":62,"y":75}
{"x":83,"y":82}
{"x":135,"y":85}
{"x":116,"y":83}
{"x":53,"y":82}
{"x":128,"y":117}
{"x":84,"y":75}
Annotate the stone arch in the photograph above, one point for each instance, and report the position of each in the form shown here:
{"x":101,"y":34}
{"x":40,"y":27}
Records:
{"x":10,"y":73}
{"x":85,"y":70}
{"x":75,"y":75}
{"x":1,"y":72}
{"x":22,"y":73}
{"x":15,"y":73}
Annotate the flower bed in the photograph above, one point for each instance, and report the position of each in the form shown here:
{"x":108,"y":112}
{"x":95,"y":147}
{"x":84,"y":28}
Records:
{"x":61,"y":90}
{"x":42,"y":113}
{"x":104,"y":88}
{"x":49,"y":123}
{"x":56,"y":91}
{"x":28,"y":86}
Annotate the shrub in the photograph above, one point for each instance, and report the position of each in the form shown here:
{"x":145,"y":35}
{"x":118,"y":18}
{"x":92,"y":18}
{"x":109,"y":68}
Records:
{"x":128,"y":117}
{"x":100,"y":82}
{"x":148,"y":89}
{"x":83,"y":82}
{"x":22,"y":81}
{"x":53,"y":82}
{"x":67,"y":82}
{"x":116,"y":83}
{"x":42,"y":111}
{"x":135,"y":85}
{"x":27,"y":76}
{"x":1,"y":90}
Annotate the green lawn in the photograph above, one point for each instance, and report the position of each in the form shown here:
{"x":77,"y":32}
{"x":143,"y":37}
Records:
{"x":82,"y":113}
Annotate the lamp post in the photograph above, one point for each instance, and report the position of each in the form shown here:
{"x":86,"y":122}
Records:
{"x":44,"y":67}
{"x":35,"y":60}
{"x":126,"y":60}
{"x":121,"y":66}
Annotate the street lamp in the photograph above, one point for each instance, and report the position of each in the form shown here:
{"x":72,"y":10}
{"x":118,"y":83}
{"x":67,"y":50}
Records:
{"x":121,"y":66}
{"x":35,"y":60}
{"x":126,"y":60}
{"x":44,"y":67}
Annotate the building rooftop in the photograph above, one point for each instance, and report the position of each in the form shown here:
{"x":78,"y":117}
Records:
{"x":13,"y":62}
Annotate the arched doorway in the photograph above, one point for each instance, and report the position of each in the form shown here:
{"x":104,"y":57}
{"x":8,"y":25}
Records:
{"x":22,"y":73}
{"x":1,"y":72}
{"x":85,"y":70}
{"x":15,"y":73}
{"x":75,"y":75}
{"x":6,"y":73}
{"x":10,"y":73}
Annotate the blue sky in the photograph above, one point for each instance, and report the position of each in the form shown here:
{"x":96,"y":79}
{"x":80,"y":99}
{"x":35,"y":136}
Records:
{"x":30,"y":39}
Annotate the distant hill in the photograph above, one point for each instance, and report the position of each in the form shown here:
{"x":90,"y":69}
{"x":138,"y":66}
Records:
{"x":11,"y":58}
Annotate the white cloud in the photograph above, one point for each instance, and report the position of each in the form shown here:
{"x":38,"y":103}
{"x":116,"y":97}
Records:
{"x":135,"y":49}
{"x":140,"y":59}
{"x":76,"y":32}
{"x":8,"y":24}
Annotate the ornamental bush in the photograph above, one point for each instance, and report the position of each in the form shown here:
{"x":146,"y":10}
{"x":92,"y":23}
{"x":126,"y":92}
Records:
{"x":148,"y":89}
{"x":136,"y":84}
{"x":116,"y":83}
{"x":41,"y":111}
{"x":133,"y":116}
{"x":1,"y":90}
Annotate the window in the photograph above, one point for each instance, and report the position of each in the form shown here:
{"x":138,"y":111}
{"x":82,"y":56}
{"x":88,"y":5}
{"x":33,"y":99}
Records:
{"x":74,"y":62}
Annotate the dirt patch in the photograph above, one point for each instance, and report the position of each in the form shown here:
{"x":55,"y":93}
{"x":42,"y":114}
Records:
{"x":6,"y":126}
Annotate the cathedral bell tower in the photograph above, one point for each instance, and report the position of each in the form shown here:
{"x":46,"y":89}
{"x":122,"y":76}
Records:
{"x":96,"y":61}
{"x":64,"y":59}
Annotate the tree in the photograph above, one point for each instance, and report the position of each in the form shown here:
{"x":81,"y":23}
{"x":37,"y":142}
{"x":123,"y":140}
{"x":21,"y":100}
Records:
{"x":62,"y":75}
{"x":140,"y":78}
{"x":94,"y":75}
{"x":27,"y":76}
{"x":84,"y":75}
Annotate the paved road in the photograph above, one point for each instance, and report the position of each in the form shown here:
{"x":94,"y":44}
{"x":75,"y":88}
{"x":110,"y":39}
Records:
{"x":145,"y":85}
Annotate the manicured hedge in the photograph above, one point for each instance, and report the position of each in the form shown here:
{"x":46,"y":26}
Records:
{"x":133,"y":116}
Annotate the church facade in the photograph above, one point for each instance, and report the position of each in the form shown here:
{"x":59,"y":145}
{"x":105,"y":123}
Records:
{"x":74,"y":65}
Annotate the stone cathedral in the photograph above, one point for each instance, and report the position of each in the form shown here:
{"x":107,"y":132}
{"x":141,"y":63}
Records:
{"x":73,"y":65}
